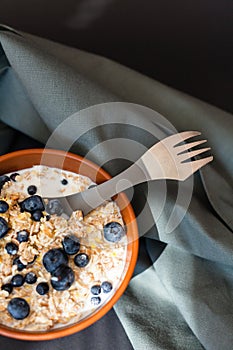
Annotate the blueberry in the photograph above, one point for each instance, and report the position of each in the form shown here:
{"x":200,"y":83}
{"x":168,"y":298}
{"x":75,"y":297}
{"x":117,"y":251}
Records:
{"x":62,"y":278}
{"x":7,"y":287}
{"x":13,"y":176}
{"x":11,"y":248}
{"x":32,"y":204}
{"x":3,"y":207}
{"x":95,"y":300}
{"x":3,"y":227}
{"x":18,"y":308}
{"x":64,"y":182}
{"x":113,"y":232}
{"x":32,"y":190}
{"x":17,"y":280}
{"x":20,"y":265}
{"x":30,"y":278}
{"x":48,"y":217}
{"x":81,"y":260}
{"x":54,"y":258}
{"x":42,"y":288}
{"x":96,"y":289}
{"x":106,"y":287}
{"x":3,"y":180}
{"x":71,"y":244}
{"x":37,"y":215}
{"x":22,"y":236}
{"x":54,"y":207}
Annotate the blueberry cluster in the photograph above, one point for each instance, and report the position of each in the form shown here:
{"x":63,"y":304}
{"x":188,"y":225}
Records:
{"x":12,"y":249}
{"x":96,"y":290}
{"x":18,"y":307}
{"x":55,"y":260}
{"x":30,"y":278}
{"x":21,"y":236}
{"x":18,"y":280}
{"x":33,"y":205}
{"x":5,"y":178}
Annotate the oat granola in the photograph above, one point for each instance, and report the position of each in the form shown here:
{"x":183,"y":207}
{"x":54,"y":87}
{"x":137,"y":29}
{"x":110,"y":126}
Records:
{"x":92,"y":273}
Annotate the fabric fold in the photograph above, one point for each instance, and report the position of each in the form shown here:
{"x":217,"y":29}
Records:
{"x":76,"y":80}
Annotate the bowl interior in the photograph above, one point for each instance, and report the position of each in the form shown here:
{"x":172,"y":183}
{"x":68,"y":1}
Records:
{"x":14,"y":161}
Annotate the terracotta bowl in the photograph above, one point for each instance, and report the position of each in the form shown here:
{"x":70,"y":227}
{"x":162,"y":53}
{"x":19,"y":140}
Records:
{"x":14,"y":161}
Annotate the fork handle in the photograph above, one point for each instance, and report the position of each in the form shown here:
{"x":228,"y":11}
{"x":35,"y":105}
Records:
{"x":93,"y":197}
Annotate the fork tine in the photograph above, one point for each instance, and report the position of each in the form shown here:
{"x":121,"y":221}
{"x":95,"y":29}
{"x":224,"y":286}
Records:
{"x":187,"y":155}
{"x":189,"y":145}
{"x":184,"y":135}
{"x":197,"y":164}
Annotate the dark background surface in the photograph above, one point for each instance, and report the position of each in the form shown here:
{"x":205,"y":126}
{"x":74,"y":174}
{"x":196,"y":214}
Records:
{"x":186,"y":44}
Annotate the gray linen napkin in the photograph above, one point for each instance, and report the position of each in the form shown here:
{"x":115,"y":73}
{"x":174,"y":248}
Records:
{"x":184,"y":299}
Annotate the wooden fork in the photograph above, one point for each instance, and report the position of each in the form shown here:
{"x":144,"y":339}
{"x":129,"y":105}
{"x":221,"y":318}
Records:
{"x":167,"y":159}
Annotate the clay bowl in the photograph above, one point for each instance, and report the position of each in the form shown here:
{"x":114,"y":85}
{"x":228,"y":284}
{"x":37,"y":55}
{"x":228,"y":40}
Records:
{"x":14,"y":161}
